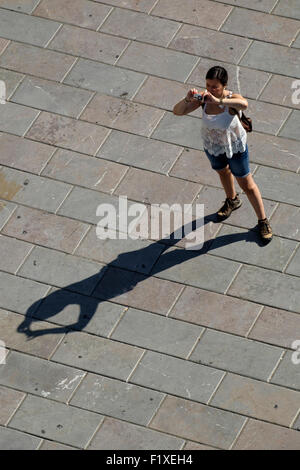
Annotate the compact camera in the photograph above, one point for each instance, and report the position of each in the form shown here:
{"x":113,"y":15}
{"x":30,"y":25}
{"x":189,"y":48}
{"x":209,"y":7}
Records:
{"x":198,"y":97}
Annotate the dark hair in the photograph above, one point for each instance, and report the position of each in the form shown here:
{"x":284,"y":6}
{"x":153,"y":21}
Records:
{"x":218,"y":72}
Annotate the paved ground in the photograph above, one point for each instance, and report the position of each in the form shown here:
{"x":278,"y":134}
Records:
{"x":142,"y":344}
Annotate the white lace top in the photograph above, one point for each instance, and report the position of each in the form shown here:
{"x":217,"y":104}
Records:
{"x":223,"y":133}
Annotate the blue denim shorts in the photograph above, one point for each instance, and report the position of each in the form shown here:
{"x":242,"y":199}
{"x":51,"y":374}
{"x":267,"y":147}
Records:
{"x":238,"y":164}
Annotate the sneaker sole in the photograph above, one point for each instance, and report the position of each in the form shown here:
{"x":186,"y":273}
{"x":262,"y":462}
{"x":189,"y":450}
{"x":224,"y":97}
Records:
{"x":226,"y":216}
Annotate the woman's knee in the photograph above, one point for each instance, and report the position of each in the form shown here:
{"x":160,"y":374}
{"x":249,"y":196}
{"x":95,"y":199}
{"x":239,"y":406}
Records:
{"x":247,"y":183}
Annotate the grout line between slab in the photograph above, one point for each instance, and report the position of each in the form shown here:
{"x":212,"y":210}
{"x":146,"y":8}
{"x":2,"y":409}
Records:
{"x":31,"y":124}
{"x":226,"y":18}
{"x":217,"y":387}
{"x":245,"y":51}
{"x":152,"y":8}
{"x":239,"y":433}
{"x":274,"y":6}
{"x":291,"y":258}
{"x":283,"y":123}
{"x":14,"y":412}
{"x":180,"y":293}
{"x":54,"y":151}
{"x":157,"y":410}
{"x":24,"y":260}
{"x":94,"y":433}
{"x":106,"y":18}
{"x":115,"y":326}
{"x":180,"y":26}
{"x":254,"y":322}
{"x":76,"y":59}
{"x":35,"y":7}
{"x":54,"y":35}
{"x":76,"y":388}
{"x":136,"y":365}
{"x":147,"y":77}
{"x":282,"y":355}
{"x":93,"y":94}
{"x":66,"y":196}
{"x":234,"y":277}
{"x":187,"y":358}
{"x":295,"y":419}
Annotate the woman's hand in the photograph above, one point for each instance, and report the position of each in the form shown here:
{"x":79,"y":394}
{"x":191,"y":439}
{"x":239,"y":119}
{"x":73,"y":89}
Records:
{"x":191,"y":93}
{"x":209,"y":98}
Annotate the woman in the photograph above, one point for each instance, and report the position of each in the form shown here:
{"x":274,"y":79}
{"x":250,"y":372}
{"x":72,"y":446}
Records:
{"x":225,"y":143}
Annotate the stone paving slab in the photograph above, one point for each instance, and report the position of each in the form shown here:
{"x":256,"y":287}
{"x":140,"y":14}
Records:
{"x":83,"y":351}
{"x":260,"y":5}
{"x":276,"y":326}
{"x":139,"y":342}
{"x":23,"y":154}
{"x":15,"y":440}
{"x":79,"y":12}
{"x":60,"y":269}
{"x":255,"y":25}
{"x":155,"y":332}
{"x":139,"y":26}
{"x":177,"y":377}
{"x":88,"y":44}
{"x":39,"y":377}
{"x":82,"y":170}
{"x":263,"y":56}
{"x":25,"y":6}
{"x":27,"y":29}
{"x":203,"y":308}
{"x":11,"y":79}
{"x":287,"y":374}
{"x":204,"y":13}
{"x":52,"y":419}
{"x":122,"y":115}
{"x":197,"y":422}
{"x":117,"y":399}
{"x":41,"y":346}
{"x":124,"y":148}
{"x":36,"y":61}
{"x":31,"y":190}
{"x":240,"y":355}
{"x":10,"y":400}
{"x":12,"y":253}
{"x":210,"y":44}
{"x":289,"y":8}
{"x":119,"y":435}
{"x":75,"y":311}
{"x":256,"y":284}
{"x":258,"y":435}
{"x":260,"y":400}
{"x":104,"y":78}
{"x":137,"y":290}
{"x":45,"y":229}
{"x":17,"y":119}
{"x":49,"y":96}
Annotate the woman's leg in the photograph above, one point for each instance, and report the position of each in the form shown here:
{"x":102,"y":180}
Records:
{"x":227,"y":181}
{"x":248,"y":185}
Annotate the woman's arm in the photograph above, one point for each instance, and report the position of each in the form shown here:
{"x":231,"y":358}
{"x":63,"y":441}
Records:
{"x":188,"y":104}
{"x":236,"y":101}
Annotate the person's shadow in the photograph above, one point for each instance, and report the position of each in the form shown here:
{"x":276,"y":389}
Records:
{"x":146,"y":262}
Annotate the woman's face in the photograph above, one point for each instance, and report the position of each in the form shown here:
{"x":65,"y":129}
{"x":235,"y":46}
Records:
{"x":215,"y":87}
